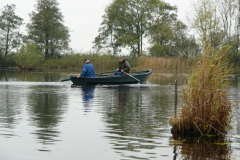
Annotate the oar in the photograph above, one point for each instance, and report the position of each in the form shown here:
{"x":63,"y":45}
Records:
{"x":132,"y":77}
{"x":65,"y":80}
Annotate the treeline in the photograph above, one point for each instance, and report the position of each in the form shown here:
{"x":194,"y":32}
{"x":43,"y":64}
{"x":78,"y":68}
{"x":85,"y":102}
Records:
{"x":47,"y":36}
{"x":126,"y":24}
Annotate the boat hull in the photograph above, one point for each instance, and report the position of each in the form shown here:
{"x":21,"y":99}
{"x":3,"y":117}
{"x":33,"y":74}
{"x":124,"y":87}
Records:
{"x":111,"y":80}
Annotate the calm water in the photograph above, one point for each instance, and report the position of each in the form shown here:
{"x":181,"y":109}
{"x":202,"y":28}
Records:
{"x":43,"y":118}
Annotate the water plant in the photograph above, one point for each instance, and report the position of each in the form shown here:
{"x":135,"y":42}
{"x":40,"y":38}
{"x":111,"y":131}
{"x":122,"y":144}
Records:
{"x":205,"y":105}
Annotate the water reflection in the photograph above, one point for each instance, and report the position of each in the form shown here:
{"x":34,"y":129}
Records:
{"x":123,"y":95}
{"x":88,"y":97}
{"x":10,"y":75}
{"x":11,"y":103}
{"x":205,"y":147}
{"x":130,"y":121}
{"x":165,"y":78}
{"x":45,"y":109}
{"x":137,"y":119}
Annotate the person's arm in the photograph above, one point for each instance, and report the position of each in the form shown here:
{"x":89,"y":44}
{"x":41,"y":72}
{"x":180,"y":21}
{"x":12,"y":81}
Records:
{"x":127,"y":68}
{"x":84,"y":70}
{"x":118,"y":69}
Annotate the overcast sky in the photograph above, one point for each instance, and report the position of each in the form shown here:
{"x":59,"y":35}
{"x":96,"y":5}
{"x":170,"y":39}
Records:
{"x":83,"y":17}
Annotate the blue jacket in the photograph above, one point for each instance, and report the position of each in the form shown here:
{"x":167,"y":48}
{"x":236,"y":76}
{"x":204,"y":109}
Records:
{"x":88,"y":71}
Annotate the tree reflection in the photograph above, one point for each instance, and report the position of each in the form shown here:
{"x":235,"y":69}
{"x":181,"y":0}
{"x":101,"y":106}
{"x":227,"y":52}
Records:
{"x":10,"y":107}
{"x":46,"y":108}
{"x":26,"y":75}
{"x":137,"y":110}
{"x":134,"y":114}
{"x":206,"y":147}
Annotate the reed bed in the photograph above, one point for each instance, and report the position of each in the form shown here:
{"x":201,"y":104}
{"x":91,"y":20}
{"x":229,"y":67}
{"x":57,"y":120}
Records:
{"x":110,"y":62}
{"x":205,"y":106}
{"x":166,"y":63}
{"x":76,"y":61}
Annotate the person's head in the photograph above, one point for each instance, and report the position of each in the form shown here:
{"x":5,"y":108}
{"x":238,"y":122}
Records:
{"x":121,"y":58}
{"x":86,"y":61}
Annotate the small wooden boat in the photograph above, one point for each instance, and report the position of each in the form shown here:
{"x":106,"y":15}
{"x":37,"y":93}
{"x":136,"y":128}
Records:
{"x":105,"y":78}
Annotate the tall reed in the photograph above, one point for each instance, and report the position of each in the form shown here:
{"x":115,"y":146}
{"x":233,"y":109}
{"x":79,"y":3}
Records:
{"x":166,"y":63}
{"x":110,"y":62}
{"x":76,"y":61}
{"x":205,"y":106}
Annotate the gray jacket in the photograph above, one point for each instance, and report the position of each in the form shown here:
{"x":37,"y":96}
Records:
{"x":124,"y":65}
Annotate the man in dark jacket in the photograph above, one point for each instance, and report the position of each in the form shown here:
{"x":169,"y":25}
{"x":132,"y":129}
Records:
{"x":88,"y":70}
{"x":123,"y":66}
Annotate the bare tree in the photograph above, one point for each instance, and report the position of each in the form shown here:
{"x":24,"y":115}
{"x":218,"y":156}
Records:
{"x":204,"y":19}
{"x":228,"y":10}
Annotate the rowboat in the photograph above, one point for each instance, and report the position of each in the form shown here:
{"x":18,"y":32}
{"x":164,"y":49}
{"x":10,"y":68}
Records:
{"x":106,"y":78}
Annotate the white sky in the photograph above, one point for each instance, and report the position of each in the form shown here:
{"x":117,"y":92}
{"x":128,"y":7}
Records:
{"x":83,"y":17}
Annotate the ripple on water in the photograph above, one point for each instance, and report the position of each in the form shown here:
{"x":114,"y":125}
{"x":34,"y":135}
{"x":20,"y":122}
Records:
{"x":133,"y":119}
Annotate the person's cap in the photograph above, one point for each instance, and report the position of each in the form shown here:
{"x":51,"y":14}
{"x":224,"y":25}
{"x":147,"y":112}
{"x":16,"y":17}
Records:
{"x":121,"y":57}
{"x":86,"y":60}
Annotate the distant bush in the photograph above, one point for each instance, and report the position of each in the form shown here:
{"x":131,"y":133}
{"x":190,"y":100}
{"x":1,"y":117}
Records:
{"x":8,"y":60}
{"x":29,"y":56}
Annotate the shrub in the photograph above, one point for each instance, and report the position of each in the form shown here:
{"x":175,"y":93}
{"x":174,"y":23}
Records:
{"x":29,"y":56}
{"x":205,"y":106}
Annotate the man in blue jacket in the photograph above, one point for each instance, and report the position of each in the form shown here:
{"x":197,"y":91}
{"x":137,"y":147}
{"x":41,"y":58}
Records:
{"x":88,"y":70}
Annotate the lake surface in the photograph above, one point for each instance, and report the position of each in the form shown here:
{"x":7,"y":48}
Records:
{"x":43,"y":118}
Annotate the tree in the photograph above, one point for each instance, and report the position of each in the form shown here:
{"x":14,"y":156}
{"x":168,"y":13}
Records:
{"x":107,"y":39}
{"x":184,"y":45}
{"x":28,"y":56}
{"x":161,"y":31}
{"x":172,"y":40}
{"x":228,"y":13}
{"x":205,"y":20}
{"x":46,"y":28}
{"x":126,"y":22}
{"x":10,"y":37}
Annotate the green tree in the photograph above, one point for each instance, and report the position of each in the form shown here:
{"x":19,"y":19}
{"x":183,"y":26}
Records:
{"x":161,"y":31}
{"x":29,"y":56}
{"x":126,"y":22}
{"x":46,"y":28}
{"x":10,"y":37}
{"x":169,"y":36}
